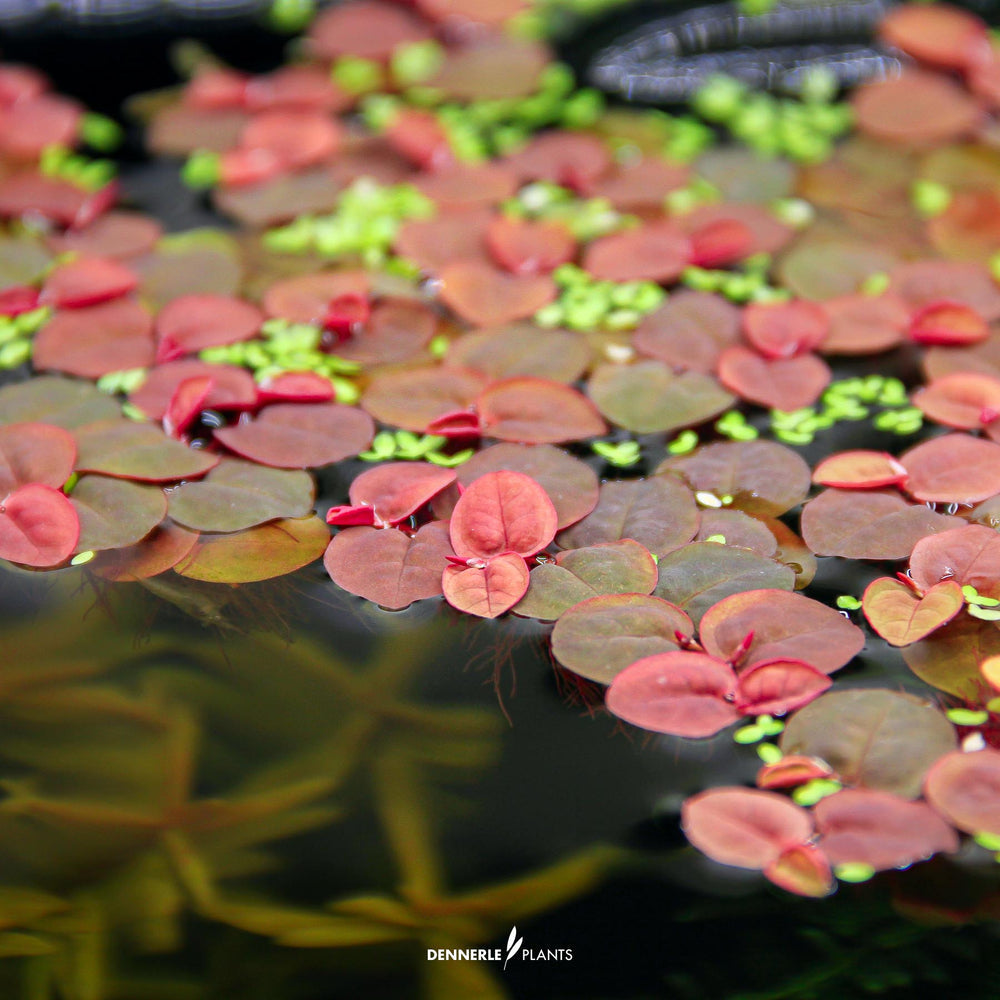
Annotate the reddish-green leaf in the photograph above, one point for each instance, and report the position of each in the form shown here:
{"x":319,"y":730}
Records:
{"x":784,"y":329}
{"x":389,"y":567}
{"x":901,"y":617}
{"x":115,"y":513}
{"x":784,"y":625}
{"x":648,"y":397}
{"x":394,"y":490}
{"x":537,"y":411}
{"x":802,"y":869}
{"x":522,"y":349}
{"x":484,"y":296}
{"x":776,"y":687}
{"x":127,"y":450}
{"x":777,"y":383}
{"x":413,"y":399}
{"x":689,"y":331}
{"x":965,"y":400}
{"x":658,"y":513}
{"x":526,"y":246}
{"x":50,"y":399}
{"x":654,"y":252}
{"x":969,"y":556}
{"x":949,"y":658}
{"x":601,"y":636}
{"x":872,"y":737}
{"x":762,"y":477}
{"x":859,"y":470}
{"x":159,"y":551}
{"x":232,"y":388}
{"x":269,"y":550}
{"x":194,"y":322}
{"x":35,"y":453}
{"x":301,"y":435}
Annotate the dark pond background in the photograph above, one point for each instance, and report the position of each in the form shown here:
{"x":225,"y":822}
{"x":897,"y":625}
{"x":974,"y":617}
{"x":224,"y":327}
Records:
{"x":424,"y":747}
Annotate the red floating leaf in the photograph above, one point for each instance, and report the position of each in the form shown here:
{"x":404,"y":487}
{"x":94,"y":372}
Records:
{"x":300,"y":435}
{"x":462,"y":185}
{"x":858,"y":825}
{"x":395,"y":490}
{"x":802,"y":869}
{"x":681,"y":693}
{"x":792,"y":771}
{"x":295,"y":139}
{"x":941,"y":35}
{"x":949,"y":324}
{"x":916,"y":108}
{"x":776,"y":687}
{"x":28,"y":127}
{"x":296,"y":387}
{"x":502,"y":512}
{"x":570,"y":484}
{"x":60,"y":201}
{"x":864,"y":324}
{"x":922,"y":282}
{"x":491,"y":13}
{"x":721,"y":243}
{"x":489,"y":590}
{"x":232,"y":388}
{"x":298,"y":87}
{"x":194,"y":322}
{"x":87,"y":281}
{"x":654,"y":252}
{"x":35,"y":453}
{"x":38,"y":526}
{"x":689,"y":331}
{"x":744,"y":827}
{"x":418,"y":136}
{"x":956,"y":468}
{"x":415,"y":398}
{"x":306,"y":298}
{"x":160,"y":550}
{"x":485,"y":296}
{"x":346,"y":315}
{"x":573,"y":159}
{"x":17,"y":300}
{"x":641,"y":185}
{"x":965,"y":789}
{"x":859,"y":470}
{"x":784,"y":329}
{"x":522,"y":349}
{"x":187,"y":403}
{"x":450,"y":238}
{"x":367,"y":29}
{"x":784,"y":626}
{"x":128,"y":450}
{"x":537,"y":411}
{"x":964,"y":400}
{"x":780,"y":383}
{"x":95,"y":340}
{"x":525,"y":246}
{"x":118,"y":235}
{"x":857,"y":524}
{"x":388,"y":567}
{"x":769,"y":234}
{"x":398,"y":330}
{"x":968,"y":556}
{"x":901,"y":617}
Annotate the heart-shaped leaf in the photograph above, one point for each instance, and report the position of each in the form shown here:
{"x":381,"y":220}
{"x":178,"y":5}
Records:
{"x":689,"y":331}
{"x":193,"y":322}
{"x":681,"y":693}
{"x":502,"y":512}
{"x":38,"y":526}
{"x":868,"y":525}
{"x":648,"y":397}
{"x":964,"y":400}
{"x":783,"y":625}
{"x":784,"y":329}
{"x":599,"y":637}
{"x":659,"y":513}
{"x":654,"y":252}
{"x":35,"y":453}
{"x":527,"y":246}
{"x":269,"y":550}
{"x":858,"y":825}
{"x":115,"y":513}
{"x":864,"y":324}
{"x":744,"y":827}
{"x":489,"y":590}
{"x":969,"y":556}
{"x":777,"y":383}
{"x":300,"y":435}
{"x":484,"y":296}
{"x":956,"y":468}
{"x":901,"y":617}
{"x":537,"y":411}
{"x":623,"y":567}
{"x":236,"y":495}
{"x":95,"y":340}
{"x":965,"y":789}
{"x":872,"y":737}
{"x":415,"y":398}
{"x":701,"y":574}
{"x":762,"y":477}
{"x":389,"y":567}
{"x":127,"y":450}
{"x":859,"y":470}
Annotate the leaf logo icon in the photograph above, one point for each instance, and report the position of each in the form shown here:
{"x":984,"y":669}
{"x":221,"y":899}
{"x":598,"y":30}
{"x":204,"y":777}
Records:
{"x":513,"y":944}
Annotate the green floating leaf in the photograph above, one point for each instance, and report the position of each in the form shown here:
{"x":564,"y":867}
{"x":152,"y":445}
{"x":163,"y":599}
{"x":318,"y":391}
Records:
{"x":854,"y":871}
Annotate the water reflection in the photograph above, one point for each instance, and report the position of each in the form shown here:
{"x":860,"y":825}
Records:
{"x":196,"y":805}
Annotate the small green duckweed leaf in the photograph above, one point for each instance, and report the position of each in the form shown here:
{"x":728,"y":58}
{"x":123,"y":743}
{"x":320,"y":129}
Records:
{"x":853,"y":871}
{"x":967,"y":717}
{"x":813,"y":791}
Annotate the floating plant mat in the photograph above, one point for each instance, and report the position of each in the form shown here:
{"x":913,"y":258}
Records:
{"x":730,"y":451}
